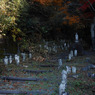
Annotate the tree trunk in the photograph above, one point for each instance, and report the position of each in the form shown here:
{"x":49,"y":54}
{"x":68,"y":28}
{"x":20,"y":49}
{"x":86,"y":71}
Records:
{"x":93,"y":34}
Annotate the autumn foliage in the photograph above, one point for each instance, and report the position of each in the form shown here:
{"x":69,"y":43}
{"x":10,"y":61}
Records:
{"x":62,"y":7}
{"x":40,"y":17}
{"x":86,"y":5}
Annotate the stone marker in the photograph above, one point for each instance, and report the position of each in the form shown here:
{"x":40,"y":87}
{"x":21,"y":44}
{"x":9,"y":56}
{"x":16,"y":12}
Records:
{"x":17,"y":59}
{"x":91,"y":66}
{"x":75,"y":53}
{"x":40,"y":46}
{"x":68,"y":69}
{"x":60,"y":63}
{"x":64,"y":44}
{"x":10,"y":59}
{"x":23,"y":56}
{"x":64,"y":77}
{"x":71,"y":52}
{"x":65,"y":93}
{"x":64,"y":72}
{"x":69,"y":57}
{"x":78,"y":46}
{"x":74,"y":69}
{"x":15,"y":56}
{"x":75,"y":76}
{"x":76,"y":38}
{"x":6,"y":60}
{"x":62,"y":87}
{"x":55,"y":49}
{"x":92,"y":75}
{"x":30,"y":55}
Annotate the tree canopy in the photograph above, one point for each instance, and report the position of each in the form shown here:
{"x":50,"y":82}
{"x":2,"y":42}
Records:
{"x":41,"y":18}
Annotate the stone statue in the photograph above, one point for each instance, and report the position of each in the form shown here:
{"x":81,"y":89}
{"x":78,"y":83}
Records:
{"x":76,"y":37}
{"x":10,"y":59}
{"x":6,"y":60}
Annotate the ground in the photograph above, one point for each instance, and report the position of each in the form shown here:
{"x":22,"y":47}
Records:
{"x":48,"y":82}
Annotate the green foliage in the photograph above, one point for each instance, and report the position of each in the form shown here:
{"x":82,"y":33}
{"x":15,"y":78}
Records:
{"x":15,"y":32}
{"x":34,"y":19}
{"x":10,"y":11}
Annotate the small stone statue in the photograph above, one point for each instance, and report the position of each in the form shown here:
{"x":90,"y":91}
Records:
{"x":74,"y":69}
{"x":65,"y":93}
{"x":64,"y":72}
{"x":23,"y":56}
{"x":10,"y":59}
{"x":69,"y":57}
{"x":60,"y":63}
{"x":75,"y":52}
{"x":76,"y":37}
{"x":6,"y":60}
{"x":17,"y":59}
{"x":68,"y":69}
{"x":71,"y":52}
{"x":64,"y":77}
{"x":64,"y":44}
{"x":62,"y":87}
{"x":30,"y":55}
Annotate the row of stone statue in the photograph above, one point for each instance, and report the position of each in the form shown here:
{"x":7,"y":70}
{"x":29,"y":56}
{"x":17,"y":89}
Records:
{"x":63,"y":84}
{"x":9,"y":59}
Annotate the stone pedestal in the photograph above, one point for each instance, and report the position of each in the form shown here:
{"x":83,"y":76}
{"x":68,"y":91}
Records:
{"x":77,"y":46}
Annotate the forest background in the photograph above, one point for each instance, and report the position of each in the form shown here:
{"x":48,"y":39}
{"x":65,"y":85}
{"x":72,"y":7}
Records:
{"x":29,"y":21}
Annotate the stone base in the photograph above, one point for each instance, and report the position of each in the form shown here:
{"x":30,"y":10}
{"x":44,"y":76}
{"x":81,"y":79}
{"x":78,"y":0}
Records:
{"x":78,"y":47}
{"x":76,"y":41}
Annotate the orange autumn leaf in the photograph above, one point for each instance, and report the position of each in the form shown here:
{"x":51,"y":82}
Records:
{"x":47,"y":2}
{"x":62,"y":8}
{"x":65,"y":12}
{"x":65,"y":22}
{"x":44,"y":2}
{"x":70,"y":23}
{"x":71,"y":20}
{"x":58,"y":2}
{"x":67,"y":17}
{"x":68,"y":2}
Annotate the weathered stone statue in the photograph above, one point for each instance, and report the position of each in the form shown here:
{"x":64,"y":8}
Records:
{"x":76,"y":37}
{"x":77,"y":46}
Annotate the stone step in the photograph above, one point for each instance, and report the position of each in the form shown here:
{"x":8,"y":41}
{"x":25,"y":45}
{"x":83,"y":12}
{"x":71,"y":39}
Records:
{"x":22,"y":79}
{"x":48,"y":65}
{"x":38,"y":92}
{"x":37,"y":71}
